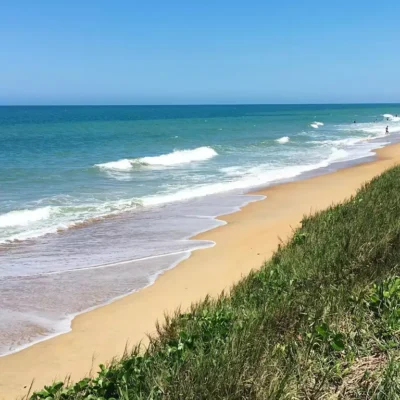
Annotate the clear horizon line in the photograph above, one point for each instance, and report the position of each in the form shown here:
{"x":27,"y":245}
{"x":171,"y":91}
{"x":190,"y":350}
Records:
{"x":196,"y":104}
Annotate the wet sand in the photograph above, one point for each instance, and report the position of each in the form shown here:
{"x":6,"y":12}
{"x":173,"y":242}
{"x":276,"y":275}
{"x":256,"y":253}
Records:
{"x":249,"y":238}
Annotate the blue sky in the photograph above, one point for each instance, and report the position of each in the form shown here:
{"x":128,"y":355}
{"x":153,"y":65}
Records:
{"x":199,"y":52}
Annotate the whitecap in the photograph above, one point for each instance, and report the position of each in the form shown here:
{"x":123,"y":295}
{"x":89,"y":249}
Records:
{"x":342,"y":142}
{"x":391,"y":117}
{"x":282,"y":140}
{"x":337,"y":155}
{"x":24,"y":217}
{"x":177,"y":157}
{"x":26,"y":224}
{"x":246,"y":178}
{"x":180,"y":157}
{"x":120,"y":165}
{"x":316,"y":124}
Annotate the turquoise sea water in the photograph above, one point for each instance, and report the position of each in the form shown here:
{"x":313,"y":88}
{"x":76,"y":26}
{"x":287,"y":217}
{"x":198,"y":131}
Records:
{"x":121,"y":189}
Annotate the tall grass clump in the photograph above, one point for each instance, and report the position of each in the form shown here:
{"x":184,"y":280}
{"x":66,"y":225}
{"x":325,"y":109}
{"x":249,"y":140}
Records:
{"x":320,"y":320}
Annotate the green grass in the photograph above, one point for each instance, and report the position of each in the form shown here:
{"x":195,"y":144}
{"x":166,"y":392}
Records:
{"x":320,"y":320}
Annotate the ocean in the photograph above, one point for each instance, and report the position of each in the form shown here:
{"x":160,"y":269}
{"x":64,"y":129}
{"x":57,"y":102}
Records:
{"x":96,"y":202}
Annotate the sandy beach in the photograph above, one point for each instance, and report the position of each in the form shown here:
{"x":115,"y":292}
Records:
{"x":245,"y":242}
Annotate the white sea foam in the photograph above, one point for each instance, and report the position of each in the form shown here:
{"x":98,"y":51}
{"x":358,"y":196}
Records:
{"x":120,"y":165}
{"x":68,"y":211}
{"x":375,"y":130}
{"x":337,"y":155}
{"x":35,"y":222}
{"x":283,"y":140}
{"x":379,"y":132}
{"x":391,"y":117}
{"x":26,"y":224}
{"x":342,"y":142}
{"x":316,"y":124}
{"x":24,"y":217}
{"x":242,"y":177}
{"x":31,"y":223}
{"x":177,"y":157}
{"x":232,"y":171}
{"x":180,"y":157}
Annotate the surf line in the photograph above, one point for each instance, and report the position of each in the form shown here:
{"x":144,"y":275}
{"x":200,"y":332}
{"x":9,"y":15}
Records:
{"x":114,"y":264}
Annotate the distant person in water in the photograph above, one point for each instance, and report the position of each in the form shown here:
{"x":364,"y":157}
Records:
{"x":387,"y":129}
{"x":354,"y":122}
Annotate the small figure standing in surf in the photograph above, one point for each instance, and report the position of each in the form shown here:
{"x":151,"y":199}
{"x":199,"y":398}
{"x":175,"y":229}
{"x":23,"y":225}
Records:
{"x":387,"y":130}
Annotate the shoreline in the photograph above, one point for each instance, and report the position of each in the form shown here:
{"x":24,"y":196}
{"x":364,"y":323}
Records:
{"x":185,"y":254}
{"x":250,"y":235}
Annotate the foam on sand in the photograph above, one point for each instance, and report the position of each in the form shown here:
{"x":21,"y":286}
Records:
{"x":177,"y":157}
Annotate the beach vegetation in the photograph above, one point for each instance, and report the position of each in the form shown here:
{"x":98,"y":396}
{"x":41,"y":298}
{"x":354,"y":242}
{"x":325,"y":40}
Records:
{"x":319,"y":320}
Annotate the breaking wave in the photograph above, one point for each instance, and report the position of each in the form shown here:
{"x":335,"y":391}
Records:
{"x":343,"y":142}
{"x":177,"y":157}
{"x":316,"y":124}
{"x":26,"y":224}
{"x":252,"y":177}
{"x":282,"y":140}
{"x":24,"y":217}
{"x":391,"y":117}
